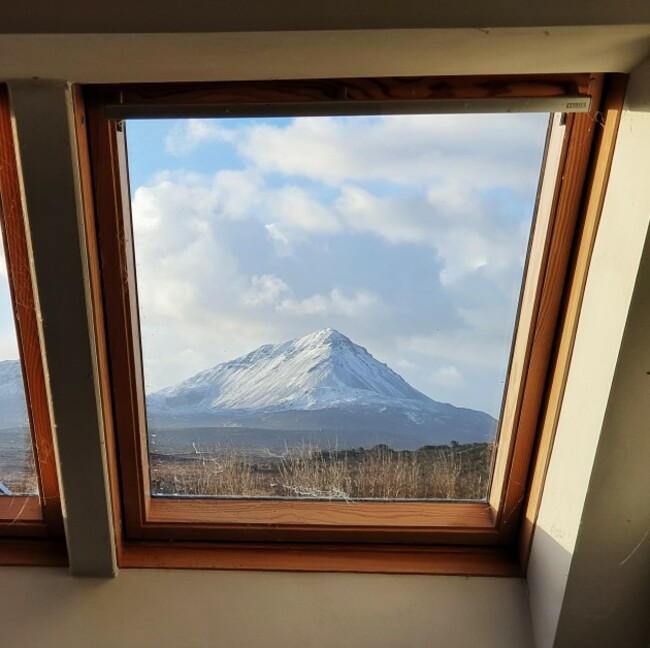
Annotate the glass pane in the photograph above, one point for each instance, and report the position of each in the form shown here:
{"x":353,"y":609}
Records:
{"x":327,"y":304}
{"x":17,"y":469}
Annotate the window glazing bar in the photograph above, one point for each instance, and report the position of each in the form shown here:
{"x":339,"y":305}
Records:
{"x":563,"y":104}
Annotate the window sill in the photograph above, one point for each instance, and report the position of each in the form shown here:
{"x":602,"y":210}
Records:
{"x":384,"y":559}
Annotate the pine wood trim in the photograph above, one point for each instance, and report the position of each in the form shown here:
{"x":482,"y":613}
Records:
{"x":606,"y":123}
{"x":12,"y":224}
{"x":551,"y":289}
{"x":21,"y":516}
{"x":120,"y":353}
{"x":323,"y":513}
{"x":546,"y":203}
{"x":99,"y":324}
{"x":308,"y":521}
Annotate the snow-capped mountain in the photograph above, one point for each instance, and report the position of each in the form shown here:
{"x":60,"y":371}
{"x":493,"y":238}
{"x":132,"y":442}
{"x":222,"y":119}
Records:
{"x":320,"y":370}
{"x":323,"y":385}
{"x":13,"y":409}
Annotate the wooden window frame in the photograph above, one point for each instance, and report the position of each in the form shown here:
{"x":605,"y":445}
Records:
{"x":31,"y":527}
{"x":412,"y":537}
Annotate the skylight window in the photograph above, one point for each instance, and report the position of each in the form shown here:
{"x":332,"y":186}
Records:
{"x":330,"y":312}
{"x":29,"y":490}
{"x":327,"y":304}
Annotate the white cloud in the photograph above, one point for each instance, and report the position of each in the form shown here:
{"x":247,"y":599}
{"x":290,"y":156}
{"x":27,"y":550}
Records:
{"x":188,"y":278}
{"x":362,"y":211}
{"x":462,"y":229}
{"x":224,"y":195}
{"x":170,"y":298}
{"x":195,"y":293}
{"x":295,"y":207}
{"x":464,"y":346}
{"x":188,"y":135}
{"x":447,"y":376}
{"x":270,"y":290}
{"x":452,"y":159}
{"x":265,"y":289}
{"x":362,"y":303}
{"x":282,"y":242}
{"x":482,"y":150}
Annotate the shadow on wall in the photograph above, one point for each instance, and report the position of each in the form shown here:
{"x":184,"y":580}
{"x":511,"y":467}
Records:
{"x":548,"y":569}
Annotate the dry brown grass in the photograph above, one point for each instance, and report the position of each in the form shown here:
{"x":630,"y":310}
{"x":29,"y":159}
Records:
{"x":443,"y":472}
{"x":18,"y":474}
{"x":222,"y":472}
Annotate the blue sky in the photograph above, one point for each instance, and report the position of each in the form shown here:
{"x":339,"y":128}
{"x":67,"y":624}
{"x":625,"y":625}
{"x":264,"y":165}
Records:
{"x":406,"y":233}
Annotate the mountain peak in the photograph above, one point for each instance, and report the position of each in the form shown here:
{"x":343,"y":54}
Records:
{"x":321,"y":369}
{"x":322,"y":337}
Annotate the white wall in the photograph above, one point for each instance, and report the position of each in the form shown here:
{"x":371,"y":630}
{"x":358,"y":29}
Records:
{"x":112,"y":58}
{"x":98,"y":16}
{"x":590,"y":564}
{"x":195,"y":609}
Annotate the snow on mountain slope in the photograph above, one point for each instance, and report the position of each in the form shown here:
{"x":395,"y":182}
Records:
{"x":320,"y":370}
{"x":13,"y":409}
{"x":323,"y":383}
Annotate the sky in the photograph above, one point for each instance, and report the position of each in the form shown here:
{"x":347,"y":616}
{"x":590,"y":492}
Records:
{"x":8,"y":345}
{"x":406,"y":233}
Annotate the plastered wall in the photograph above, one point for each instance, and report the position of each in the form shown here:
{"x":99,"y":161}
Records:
{"x":589,"y":573}
{"x":195,"y":609}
